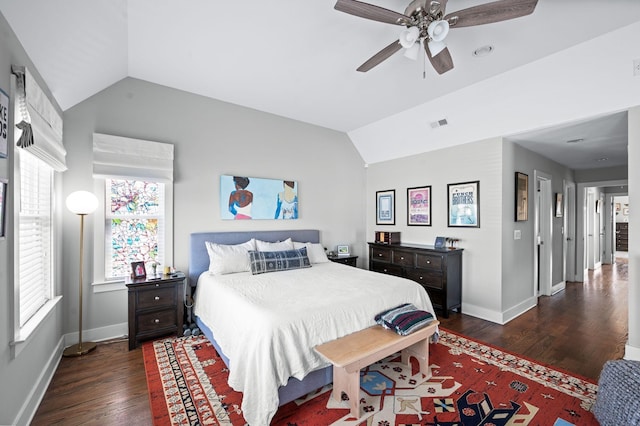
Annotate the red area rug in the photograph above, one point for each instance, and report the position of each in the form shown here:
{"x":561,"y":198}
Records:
{"x":471,"y":384}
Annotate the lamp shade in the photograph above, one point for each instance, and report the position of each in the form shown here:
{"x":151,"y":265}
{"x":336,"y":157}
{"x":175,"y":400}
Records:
{"x":409,"y":36}
{"x":82,"y":202}
{"x":438,"y":30}
{"x":413,"y":51}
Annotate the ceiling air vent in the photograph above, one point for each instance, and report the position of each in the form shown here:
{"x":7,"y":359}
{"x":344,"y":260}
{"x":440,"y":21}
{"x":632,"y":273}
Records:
{"x":439,"y":123}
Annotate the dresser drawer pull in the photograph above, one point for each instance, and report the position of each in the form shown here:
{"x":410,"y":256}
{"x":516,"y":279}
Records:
{"x":401,"y":257}
{"x":379,"y":254}
{"x":421,"y":278}
{"x":156,"y":298}
{"x":156,"y":320}
{"x":428,"y":261}
{"x":157,"y":285}
{"x":385,"y":270}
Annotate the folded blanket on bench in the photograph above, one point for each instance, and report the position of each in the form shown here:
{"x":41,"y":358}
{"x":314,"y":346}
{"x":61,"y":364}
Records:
{"x":404,"y":319}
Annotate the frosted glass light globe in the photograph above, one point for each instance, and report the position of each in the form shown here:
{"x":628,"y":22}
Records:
{"x":82,"y":202}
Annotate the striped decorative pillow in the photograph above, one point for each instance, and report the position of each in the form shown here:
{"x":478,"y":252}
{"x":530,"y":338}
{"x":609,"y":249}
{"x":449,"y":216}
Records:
{"x":404,"y":319}
{"x":273,"y":261}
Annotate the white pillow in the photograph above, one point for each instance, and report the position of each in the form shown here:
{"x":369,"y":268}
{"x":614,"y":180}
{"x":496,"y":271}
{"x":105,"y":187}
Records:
{"x":315,"y":251}
{"x":279,"y":246}
{"x":228,"y":259}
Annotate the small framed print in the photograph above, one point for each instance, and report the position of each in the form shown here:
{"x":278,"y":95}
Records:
{"x":522,"y":192}
{"x":440,"y":242}
{"x":559,"y":205}
{"x":343,"y":250}
{"x":463,"y":207}
{"x":386,"y":207}
{"x":138,"y":270}
{"x":419,"y":206}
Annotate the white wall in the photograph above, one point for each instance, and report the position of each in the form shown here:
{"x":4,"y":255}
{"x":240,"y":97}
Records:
{"x":211,"y":138}
{"x":24,"y":375}
{"x":633,"y":345}
{"x":482,"y":263}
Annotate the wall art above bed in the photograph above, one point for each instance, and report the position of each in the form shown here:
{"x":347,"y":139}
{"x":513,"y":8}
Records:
{"x":243,"y":197}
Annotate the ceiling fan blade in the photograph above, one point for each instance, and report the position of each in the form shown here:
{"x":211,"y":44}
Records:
{"x":442,"y":62}
{"x":380,"y":56}
{"x":369,"y":11}
{"x":497,"y":11}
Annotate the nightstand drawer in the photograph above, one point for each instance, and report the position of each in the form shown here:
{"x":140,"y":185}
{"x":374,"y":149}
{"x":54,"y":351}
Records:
{"x":426,"y":278}
{"x":157,"y":320}
{"x":156,"y":297}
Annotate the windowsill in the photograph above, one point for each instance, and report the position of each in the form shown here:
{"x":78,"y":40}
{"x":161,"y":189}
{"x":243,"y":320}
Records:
{"x":23,"y":336}
{"x":102,"y":287}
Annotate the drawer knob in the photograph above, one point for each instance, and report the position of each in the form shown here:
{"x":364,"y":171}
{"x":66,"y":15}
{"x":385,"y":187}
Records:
{"x":157,"y":285}
{"x":379,"y":254}
{"x":428,"y":261}
{"x":421,"y":278}
{"x":156,"y":298}
{"x":401,"y":257}
{"x":156,"y":320}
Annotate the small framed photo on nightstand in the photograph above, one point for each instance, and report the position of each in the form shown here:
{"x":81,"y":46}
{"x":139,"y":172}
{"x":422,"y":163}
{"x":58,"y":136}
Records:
{"x":343,"y":250}
{"x":138,"y":270}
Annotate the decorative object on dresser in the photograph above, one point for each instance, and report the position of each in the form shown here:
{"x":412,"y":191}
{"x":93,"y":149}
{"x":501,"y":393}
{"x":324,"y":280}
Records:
{"x":386,"y":207}
{"x":463,"y":206}
{"x":439,"y":271}
{"x":81,"y":203}
{"x":522,"y":197}
{"x":419,"y":206}
{"x":622,"y":236}
{"x":343,"y":250}
{"x":155,"y":307}
{"x":344,"y":259}
{"x":383,"y":237}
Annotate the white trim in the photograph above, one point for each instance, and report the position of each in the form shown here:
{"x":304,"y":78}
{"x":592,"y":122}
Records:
{"x":519,"y":309}
{"x":22,"y":335}
{"x":482,"y":313}
{"x":557,"y":288}
{"x":115,"y":331}
{"x":34,"y":398}
{"x":103,"y":287}
{"x":631,"y":352}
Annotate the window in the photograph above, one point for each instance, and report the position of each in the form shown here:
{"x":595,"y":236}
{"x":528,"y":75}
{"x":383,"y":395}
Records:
{"x":134,"y":225}
{"x":133,"y":180}
{"x":35,"y":235}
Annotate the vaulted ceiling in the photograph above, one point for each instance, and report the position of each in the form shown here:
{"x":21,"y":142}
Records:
{"x":294,"y":58}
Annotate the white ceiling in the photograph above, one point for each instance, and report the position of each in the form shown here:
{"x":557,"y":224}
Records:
{"x":292,"y":58}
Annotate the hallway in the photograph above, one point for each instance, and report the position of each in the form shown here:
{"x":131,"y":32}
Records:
{"x":576,"y":330}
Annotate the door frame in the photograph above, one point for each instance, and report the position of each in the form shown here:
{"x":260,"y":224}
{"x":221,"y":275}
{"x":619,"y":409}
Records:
{"x":569,"y":232}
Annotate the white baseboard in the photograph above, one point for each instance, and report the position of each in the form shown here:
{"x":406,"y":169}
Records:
{"x":557,"y":288}
{"x":32,"y":402}
{"x":98,"y":334}
{"x":519,"y":309}
{"x":482,"y":313}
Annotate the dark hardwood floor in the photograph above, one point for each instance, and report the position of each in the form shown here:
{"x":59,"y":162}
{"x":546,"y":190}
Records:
{"x":576,"y":330}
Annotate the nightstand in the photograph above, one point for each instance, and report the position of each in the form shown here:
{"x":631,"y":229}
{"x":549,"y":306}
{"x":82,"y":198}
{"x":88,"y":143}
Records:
{"x":346,"y":260}
{"x":156,"y":307}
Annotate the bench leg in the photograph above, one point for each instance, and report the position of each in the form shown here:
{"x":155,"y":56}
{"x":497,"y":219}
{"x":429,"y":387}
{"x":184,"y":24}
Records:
{"x":419,"y":351}
{"x":348,"y":383}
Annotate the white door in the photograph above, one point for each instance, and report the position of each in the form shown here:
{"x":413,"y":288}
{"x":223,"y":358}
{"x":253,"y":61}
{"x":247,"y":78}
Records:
{"x":570,"y":231}
{"x":543,"y":241}
{"x":591,"y":223}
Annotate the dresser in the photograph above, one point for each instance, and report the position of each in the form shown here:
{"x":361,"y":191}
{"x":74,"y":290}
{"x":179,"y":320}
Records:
{"x":155,"y":307}
{"x":439,"y":271}
{"x":622,"y":236}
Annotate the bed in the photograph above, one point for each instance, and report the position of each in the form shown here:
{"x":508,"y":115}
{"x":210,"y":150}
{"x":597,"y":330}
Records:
{"x":265,"y":326}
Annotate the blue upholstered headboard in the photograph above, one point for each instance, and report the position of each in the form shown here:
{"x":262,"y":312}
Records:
{"x":199,"y":258}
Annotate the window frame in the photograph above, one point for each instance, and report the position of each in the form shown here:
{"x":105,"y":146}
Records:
{"x":100,"y":282}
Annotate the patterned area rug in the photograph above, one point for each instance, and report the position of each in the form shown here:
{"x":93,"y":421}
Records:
{"x":471,"y":384}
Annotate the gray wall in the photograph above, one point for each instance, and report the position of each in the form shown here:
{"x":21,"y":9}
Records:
{"x":211,"y":138}
{"x":24,"y":370}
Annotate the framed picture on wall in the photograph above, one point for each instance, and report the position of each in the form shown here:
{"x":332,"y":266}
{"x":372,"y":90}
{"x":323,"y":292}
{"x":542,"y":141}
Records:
{"x":419,"y":206}
{"x":386,"y":207}
{"x":559,"y":205}
{"x":463,"y":204}
{"x":522,"y":191}
{"x":4,"y":123}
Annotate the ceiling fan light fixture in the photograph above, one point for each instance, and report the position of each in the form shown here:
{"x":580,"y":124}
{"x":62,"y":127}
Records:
{"x":412,"y":52}
{"x":409,"y":36}
{"x":438,"y":30}
{"x":436,"y":47}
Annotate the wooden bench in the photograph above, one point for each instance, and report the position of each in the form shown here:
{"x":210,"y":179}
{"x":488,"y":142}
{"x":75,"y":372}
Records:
{"x":357,"y":350}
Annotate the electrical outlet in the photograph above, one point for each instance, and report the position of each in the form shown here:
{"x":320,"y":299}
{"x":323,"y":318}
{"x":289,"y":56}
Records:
{"x":636,"y":67}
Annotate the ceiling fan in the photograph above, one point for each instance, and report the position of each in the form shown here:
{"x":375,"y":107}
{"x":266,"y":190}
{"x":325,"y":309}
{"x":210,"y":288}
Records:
{"x":427,"y":25}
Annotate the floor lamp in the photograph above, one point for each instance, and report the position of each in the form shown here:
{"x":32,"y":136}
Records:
{"x":81,"y":203}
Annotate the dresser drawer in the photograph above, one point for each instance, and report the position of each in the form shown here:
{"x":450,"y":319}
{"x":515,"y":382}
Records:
{"x":429,"y":261}
{"x":403,"y":258}
{"x":386,"y":268}
{"x":426,"y":277}
{"x":438,"y":299}
{"x":157,"y":320}
{"x":156,"y":297}
{"x":381,"y":254}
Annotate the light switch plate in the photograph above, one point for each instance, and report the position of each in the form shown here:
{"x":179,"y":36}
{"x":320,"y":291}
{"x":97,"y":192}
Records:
{"x":517,"y":234}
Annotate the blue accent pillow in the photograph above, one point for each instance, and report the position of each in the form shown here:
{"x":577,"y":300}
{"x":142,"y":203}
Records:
{"x":273,"y":261}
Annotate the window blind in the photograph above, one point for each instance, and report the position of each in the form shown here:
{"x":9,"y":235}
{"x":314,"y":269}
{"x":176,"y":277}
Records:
{"x":35,"y":235}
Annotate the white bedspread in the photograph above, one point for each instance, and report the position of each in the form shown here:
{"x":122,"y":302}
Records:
{"x":268,"y":324}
